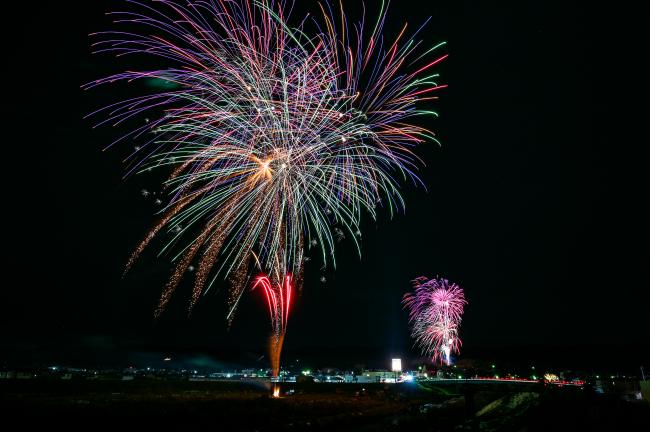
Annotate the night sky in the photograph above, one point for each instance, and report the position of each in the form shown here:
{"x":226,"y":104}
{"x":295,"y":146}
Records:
{"x":535,"y":202}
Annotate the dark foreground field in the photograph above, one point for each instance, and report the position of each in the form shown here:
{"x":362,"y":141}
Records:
{"x":236,"y":406}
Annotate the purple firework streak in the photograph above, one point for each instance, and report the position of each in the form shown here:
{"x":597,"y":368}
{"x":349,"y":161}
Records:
{"x":435,"y":311}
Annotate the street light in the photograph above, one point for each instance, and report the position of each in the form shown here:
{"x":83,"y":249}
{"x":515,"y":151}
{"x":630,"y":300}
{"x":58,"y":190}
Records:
{"x":397,"y":367}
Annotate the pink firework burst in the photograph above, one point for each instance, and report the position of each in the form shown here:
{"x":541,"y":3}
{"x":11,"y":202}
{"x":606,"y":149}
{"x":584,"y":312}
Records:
{"x":435,"y":311}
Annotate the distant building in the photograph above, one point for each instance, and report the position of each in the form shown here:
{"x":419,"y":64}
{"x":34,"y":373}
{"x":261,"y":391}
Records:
{"x":376,"y":376}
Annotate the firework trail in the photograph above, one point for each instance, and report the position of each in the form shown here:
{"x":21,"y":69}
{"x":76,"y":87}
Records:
{"x":274,"y":137}
{"x":435,"y":311}
{"x":278,"y":298}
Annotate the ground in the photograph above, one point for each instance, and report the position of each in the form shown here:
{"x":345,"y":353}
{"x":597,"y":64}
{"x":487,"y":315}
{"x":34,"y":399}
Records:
{"x":236,"y":406}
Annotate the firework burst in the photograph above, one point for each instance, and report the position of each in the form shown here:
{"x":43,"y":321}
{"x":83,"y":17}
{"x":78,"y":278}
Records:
{"x":435,"y":311}
{"x":274,"y":137}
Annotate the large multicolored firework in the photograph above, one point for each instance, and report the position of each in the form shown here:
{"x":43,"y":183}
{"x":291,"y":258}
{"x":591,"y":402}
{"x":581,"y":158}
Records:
{"x":435,"y":311}
{"x":276,"y":138}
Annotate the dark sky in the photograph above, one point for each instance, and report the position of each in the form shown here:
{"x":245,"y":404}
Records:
{"x":536,"y":201}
